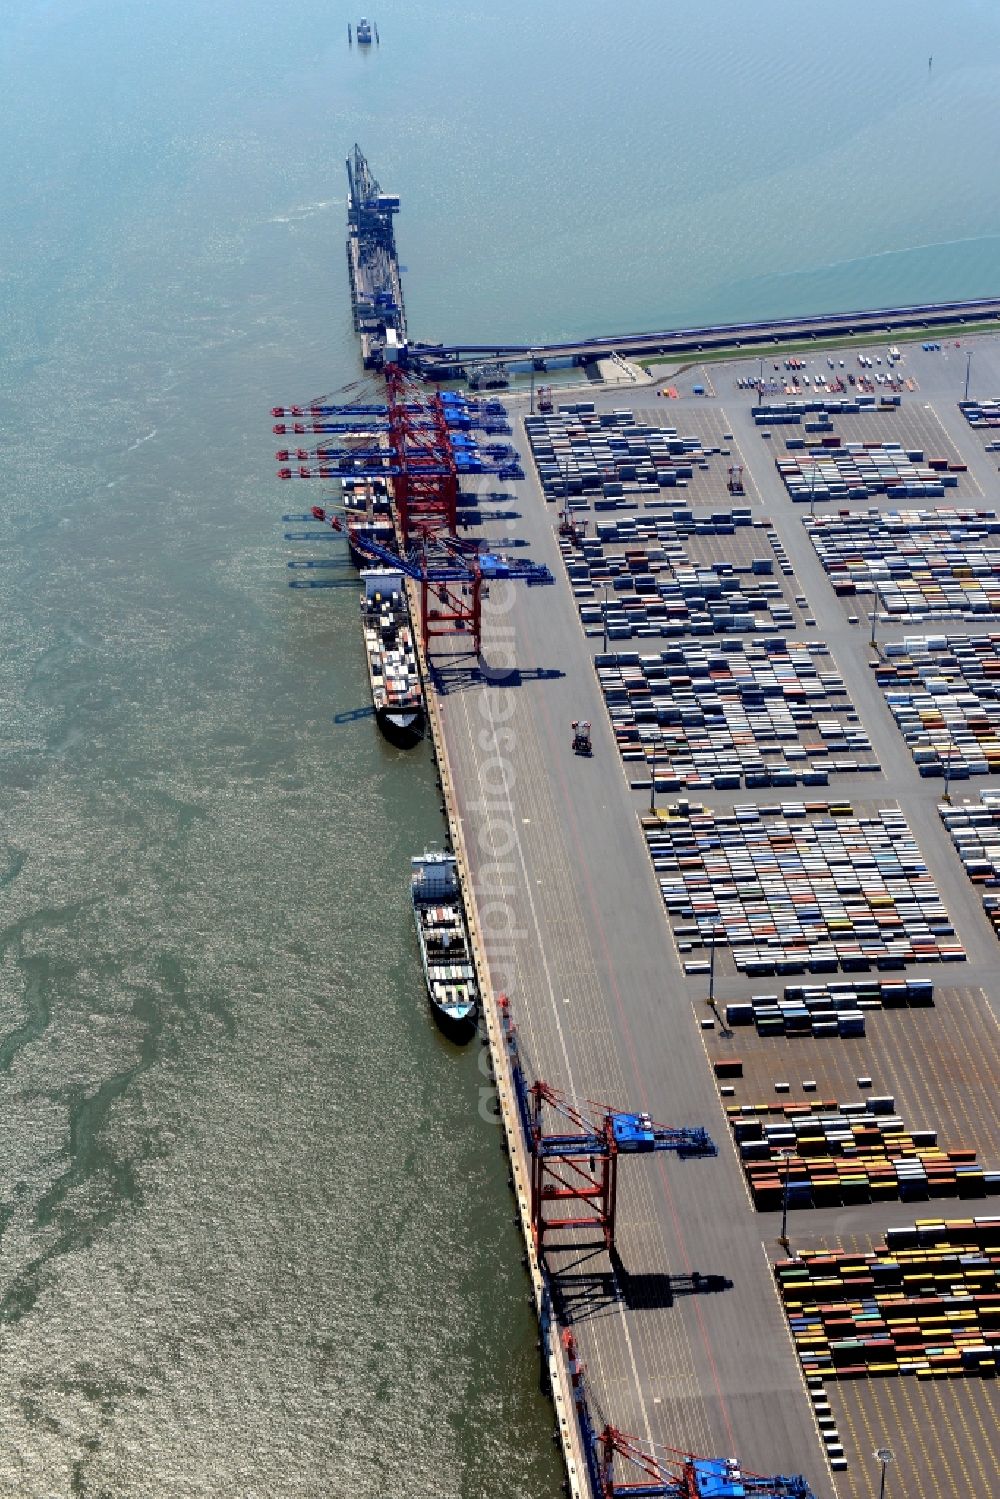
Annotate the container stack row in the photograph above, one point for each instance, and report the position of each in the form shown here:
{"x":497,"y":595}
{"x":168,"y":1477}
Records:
{"x":944,"y":693}
{"x":825,"y":1010}
{"x":816,"y":414}
{"x":861,"y":470}
{"x":799,"y":887}
{"x":609,"y":455}
{"x":818,"y":1155}
{"x":673,"y":525}
{"x":981,"y":413}
{"x":650,"y":588}
{"x":733,"y":714}
{"x":917,"y":562}
{"x":925,"y":1303}
{"x":975,"y":832}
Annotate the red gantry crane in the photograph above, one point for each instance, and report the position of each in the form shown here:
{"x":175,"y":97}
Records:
{"x":621,"y":1467}
{"x":574,"y":1155}
{"x":421,"y":447}
{"x":450,"y":583}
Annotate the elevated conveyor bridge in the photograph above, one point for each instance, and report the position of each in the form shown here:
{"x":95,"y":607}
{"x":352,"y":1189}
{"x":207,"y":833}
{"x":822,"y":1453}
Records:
{"x":445,"y":360}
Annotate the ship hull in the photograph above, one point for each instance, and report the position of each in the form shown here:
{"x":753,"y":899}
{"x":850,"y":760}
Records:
{"x":402,"y":727}
{"x":393,"y":669}
{"x":456,"y":1029}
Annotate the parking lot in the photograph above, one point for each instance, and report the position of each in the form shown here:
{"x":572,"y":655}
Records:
{"x":896,"y":1333}
{"x":630,"y":459}
{"x":687,"y":573}
{"x":984,"y":417}
{"x":974,"y":828}
{"x":838,"y":1153}
{"x":912,"y":427}
{"x":959,"y":1096}
{"x":941,"y":563}
{"x":861,"y":890}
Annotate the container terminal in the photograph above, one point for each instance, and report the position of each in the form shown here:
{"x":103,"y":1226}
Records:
{"x":748,"y":971}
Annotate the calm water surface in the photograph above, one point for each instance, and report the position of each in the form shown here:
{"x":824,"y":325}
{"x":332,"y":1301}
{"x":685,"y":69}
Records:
{"x":256,"y":1237}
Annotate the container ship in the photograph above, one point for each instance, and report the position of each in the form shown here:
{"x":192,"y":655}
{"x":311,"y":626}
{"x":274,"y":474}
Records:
{"x":368,"y":513}
{"x":445,"y":950}
{"x":393,"y":670}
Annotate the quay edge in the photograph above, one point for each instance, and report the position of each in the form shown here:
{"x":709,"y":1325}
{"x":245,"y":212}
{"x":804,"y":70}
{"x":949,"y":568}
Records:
{"x":553,"y":1354}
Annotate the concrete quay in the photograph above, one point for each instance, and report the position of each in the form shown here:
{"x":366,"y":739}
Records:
{"x":569,"y":923}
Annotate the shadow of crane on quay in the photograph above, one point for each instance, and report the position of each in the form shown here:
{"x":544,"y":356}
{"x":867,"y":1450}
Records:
{"x":585,"y":1289}
{"x":459,"y":673}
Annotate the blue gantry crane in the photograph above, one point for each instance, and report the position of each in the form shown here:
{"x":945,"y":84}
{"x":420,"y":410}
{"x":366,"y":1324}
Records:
{"x":450,"y":583}
{"x":579,"y":1164}
{"x":459,"y":413}
{"x":667,"y":1473}
{"x":468,"y":456}
{"x":620,"y":1467}
{"x":422,"y":446}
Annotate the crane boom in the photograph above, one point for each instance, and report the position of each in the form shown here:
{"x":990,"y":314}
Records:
{"x":655,"y":1472}
{"x":579,"y":1165}
{"x":667,"y":1473}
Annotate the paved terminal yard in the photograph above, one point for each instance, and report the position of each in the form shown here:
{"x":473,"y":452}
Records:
{"x":691,"y":1337}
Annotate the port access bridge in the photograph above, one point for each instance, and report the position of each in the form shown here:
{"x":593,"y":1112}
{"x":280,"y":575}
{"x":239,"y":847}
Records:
{"x":444,"y":360}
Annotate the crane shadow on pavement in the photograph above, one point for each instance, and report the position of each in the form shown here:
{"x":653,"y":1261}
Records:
{"x":597,"y":1283}
{"x":477,"y":517}
{"x":462,"y":672}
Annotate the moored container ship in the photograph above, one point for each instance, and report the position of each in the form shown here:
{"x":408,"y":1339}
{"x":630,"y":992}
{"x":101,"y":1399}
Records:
{"x":367,"y":513}
{"x":393,"y":669}
{"x":445,"y":950}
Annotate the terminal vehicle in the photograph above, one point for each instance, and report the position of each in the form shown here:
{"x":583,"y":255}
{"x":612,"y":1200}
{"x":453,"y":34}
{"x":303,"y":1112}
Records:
{"x":581,"y":737}
{"x":574,"y":529}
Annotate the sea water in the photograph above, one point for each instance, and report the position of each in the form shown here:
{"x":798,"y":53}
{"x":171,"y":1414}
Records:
{"x":256,"y":1232}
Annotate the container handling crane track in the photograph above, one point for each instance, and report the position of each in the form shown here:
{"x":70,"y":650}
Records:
{"x":580,"y":1164}
{"x":620,"y":1467}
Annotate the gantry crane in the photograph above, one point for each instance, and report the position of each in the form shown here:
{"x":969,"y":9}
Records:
{"x":580,"y":1164}
{"x":450,"y":585}
{"x":422,"y":446}
{"x":459,"y":412}
{"x":620,"y":1467}
{"x":667,"y":1473}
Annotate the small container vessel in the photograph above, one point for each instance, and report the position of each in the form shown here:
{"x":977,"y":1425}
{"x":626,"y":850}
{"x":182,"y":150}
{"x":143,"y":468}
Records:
{"x":393,"y":670}
{"x":445,"y":950}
